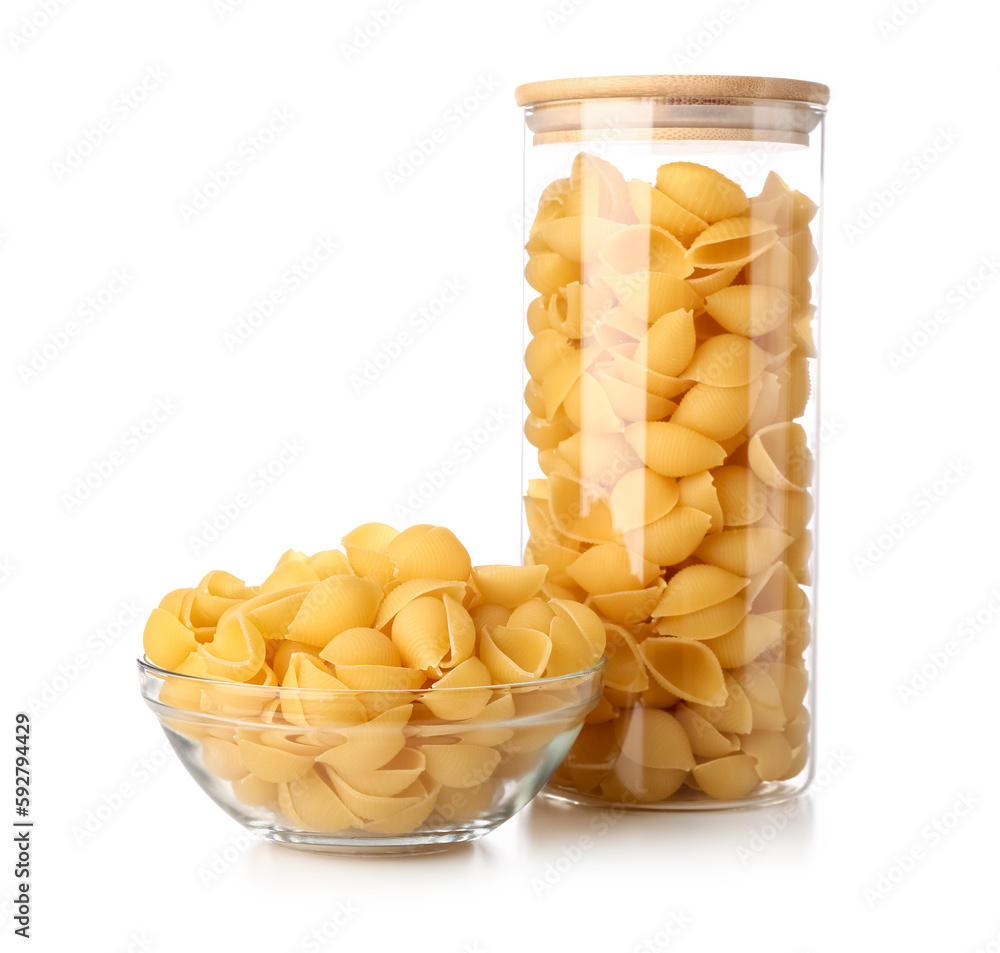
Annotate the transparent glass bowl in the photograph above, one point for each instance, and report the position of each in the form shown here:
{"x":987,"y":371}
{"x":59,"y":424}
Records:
{"x":370,"y":772}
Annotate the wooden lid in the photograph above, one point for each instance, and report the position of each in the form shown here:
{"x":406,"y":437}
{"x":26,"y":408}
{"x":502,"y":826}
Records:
{"x":680,"y":88}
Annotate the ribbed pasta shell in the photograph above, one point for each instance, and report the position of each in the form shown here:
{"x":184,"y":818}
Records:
{"x":672,"y":450}
{"x":173,"y":601}
{"x":729,"y":778}
{"x":652,"y":206}
{"x":598,"y":458}
{"x":283,"y":656}
{"x":628,"y":607}
{"x":640,"y":375}
{"x":420,"y":633}
{"x":326,"y":702}
{"x":706,"y":740}
{"x":779,"y":455}
{"x":273,"y":764}
{"x":380,"y":678}
{"x":166,"y":641}
{"x":717,"y":412}
{"x":487,"y":615}
{"x":371,"y":745}
{"x":361,"y":646}
{"x":792,"y":510}
{"x":508,"y":585}
{"x":578,"y":238}
{"x":733,"y":241}
{"x":653,"y":739}
{"x":646,"y":785}
{"x":515,"y":655}
{"x":754,"y":634}
{"x":727,"y":360}
{"x":392,"y":778}
{"x":571,"y":652}
{"x":372,"y":807}
{"x":701,"y":190}
{"x":556,"y":558}
{"x":707,"y":281}
{"x":632,"y":403}
{"x":414,"y":589}
{"x":596,"y":188}
{"x":588,"y":407}
{"x":561,"y":376}
{"x":544,"y":350}
{"x":333,"y":605}
{"x":255,"y":792}
{"x":644,"y":248}
{"x":311,"y":805}
{"x":672,"y":538}
{"x":698,"y":491}
{"x":410,"y":817}
{"x":532,"y":614}
{"x":764,"y":697}
{"x":579,"y":511}
{"x":591,"y":757}
{"x":292,"y":572}
{"x":708,"y":623}
{"x":778,"y":268}
{"x":650,"y":294}
{"x":744,"y":551}
{"x":698,"y":587}
{"x":222,"y":758}
{"x":236,"y":651}
{"x":546,"y":434}
{"x":273,"y":618}
{"x":263,"y":599}
{"x":609,"y":567}
{"x":377,"y":536}
{"x":586,"y":620}
{"x":467,"y":703}
{"x":206,"y":608}
{"x":460,"y":765}
{"x":330,"y":562}
{"x":429,"y":552}
{"x":734,"y":714}
{"x":548,"y":272}
{"x":771,"y":751}
{"x":624,"y":669}
{"x":775,"y":588}
{"x":685,"y":667}
{"x":669,"y":344}
{"x":741,"y":495}
{"x":641,"y":497}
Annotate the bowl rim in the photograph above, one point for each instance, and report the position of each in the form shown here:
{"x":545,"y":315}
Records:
{"x":152,"y":670}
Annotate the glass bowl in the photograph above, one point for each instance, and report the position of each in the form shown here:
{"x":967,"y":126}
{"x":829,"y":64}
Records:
{"x":370,"y":772}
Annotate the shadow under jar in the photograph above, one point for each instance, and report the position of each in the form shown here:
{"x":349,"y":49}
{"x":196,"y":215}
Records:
{"x":672,"y":238}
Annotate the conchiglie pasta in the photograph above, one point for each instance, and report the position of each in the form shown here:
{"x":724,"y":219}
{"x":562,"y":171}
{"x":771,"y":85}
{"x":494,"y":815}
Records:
{"x":672,"y":538}
{"x":646,"y":248}
{"x":733,"y":241}
{"x":578,"y":238}
{"x":727,"y":360}
{"x":669,"y":344}
{"x":672,"y":450}
{"x":686,"y":668}
{"x":653,"y":207}
{"x":728,"y":778}
{"x":743,"y":551}
{"x":701,"y":190}
{"x":653,"y":739}
{"x":698,"y":587}
{"x":612,"y":568}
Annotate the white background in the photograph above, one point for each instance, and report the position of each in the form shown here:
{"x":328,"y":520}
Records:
{"x":168,"y":871}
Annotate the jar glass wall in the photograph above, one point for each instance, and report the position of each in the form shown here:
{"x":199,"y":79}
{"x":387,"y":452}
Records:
{"x":672,"y":281}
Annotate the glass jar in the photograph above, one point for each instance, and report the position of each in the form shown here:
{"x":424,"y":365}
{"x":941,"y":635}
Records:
{"x":672,"y":242}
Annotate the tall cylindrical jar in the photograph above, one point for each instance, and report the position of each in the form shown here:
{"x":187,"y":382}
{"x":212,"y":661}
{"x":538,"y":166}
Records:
{"x":672,"y":238}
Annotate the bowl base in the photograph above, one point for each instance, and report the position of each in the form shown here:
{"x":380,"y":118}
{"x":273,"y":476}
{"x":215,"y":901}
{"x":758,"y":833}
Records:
{"x":358,"y":846}
{"x":767,"y":795}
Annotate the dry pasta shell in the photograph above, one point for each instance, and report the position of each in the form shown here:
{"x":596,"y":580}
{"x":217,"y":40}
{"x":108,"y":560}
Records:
{"x":435,"y":553}
{"x":373,"y":807}
{"x":534,"y":399}
{"x":734,"y":714}
{"x":291,"y":572}
{"x":548,"y":272}
{"x":578,"y":238}
{"x":311,"y":805}
{"x":751,"y":309}
{"x":653,"y":739}
{"x":515,"y":655}
{"x":544,"y":350}
{"x":556,"y":558}
{"x":628,"y":607}
{"x":653,"y":207}
{"x":780,"y":456}
{"x":698,"y":587}
{"x":254,"y":792}
{"x":273,"y":764}
{"x":728,"y":778}
{"x":588,"y":407}
{"x":669,"y":344}
{"x":283,"y":656}
{"x":251,"y":605}
{"x":596,"y":187}
{"x":624,"y":670}
{"x":173,"y":601}
{"x":686,"y":668}
{"x":754,"y":635}
{"x":647,"y":785}
{"x":708,"y":623}
{"x":771,"y":751}
{"x":467,"y":698}
{"x":650,"y":294}
{"x":571,"y":652}
{"x":641,"y":376}
{"x":778,"y":268}
{"x":764,"y":697}
{"x":579,"y":511}
{"x":407,"y":820}
{"x":561,"y":376}
{"x":701,"y":190}
{"x":585,"y":619}
{"x":414,"y":589}
{"x":598,"y":458}
{"x":741,"y":495}
{"x":166,"y":641}
{"x":222,"y":758}
{"x":641,"y":497}
{"x":333,"y":605}
{"x":236,"y":651}
{"x":727,"y":360}
{"x":792,"y":510}
{"x":375,"y":536}
{"x":733,"y":241}
{"x":380,"y":678}
{"x":330,"y":562}
{"x":775,"y":588}
{"x":672,"y":538}
{"x":673,"y":450}
{"x":508,"y":586}
{"x":706,"y":740}
{"x":326,"y":699}
{"x":273,"y":619}
{"x":532,"y":614}
{"x":393,"y":777}
{"x":486,"y":615}
{"x":707,"y":281}
{"x":460,"y":765}
{"x":717,"y":412}
{"x":420,"y":633}
{"x":372,"y":745}
{"x":744,"y":551}
{"x":372,"y":563}
{"x":656,"y":696}
{"x":632,"y":403}
{"x":609,"y":567}
{"x":698,"y":491}
{"x":546,"y":434}
{"x":591,"y":757}
{"x":361,"y":646}
{"x":644,"y":248}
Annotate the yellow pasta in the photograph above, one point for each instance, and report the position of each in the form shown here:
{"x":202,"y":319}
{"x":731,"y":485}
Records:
{"x":741,"y":495}
{"x":706,"y":740}
{"x":698,"y":587}
{"x":653,"y":207}
{"x":236,"y":650}
{"x":644,"y":377}
{"x":733,"y":241}
{"x":743,"y":551}
{"x":686,"y":668}
{"x":509,"y":586}
{"x":727,"y":360}
{"x":578,"y":238}
{"x":333,"y":605}
{"x":166,"y":641}
{"x":735,"y":714}
{"x":654,"y":739}
{"x":646,"y":248}
{"x":672,"y":538}
{"x":779,"y":455}
{"x":771,"y":751}
{"x":414,"y":589}
{"x":701,"y":190}
{"x":548,"y":272}
{"x":698,"y":492}
{"x":365,"y":747}
{"x":673,"y":450}
{"x":469,"y":697}
{"x":460,"y":765}
{"x":707,"y":281}
{"x":753,"y":635}
{"x":361,"y":646}
{"x":650,"y":294}
{"x":629,"y":402}
{"x":429,"y":552}
{"x":708,"y":623}
{"x":392,"y":778}
{"x":312,"y":805}
{"x":728,"y":778}
{"x":611,"y":568}
{"x":515,"y":655}
{"x":669,"y":344}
